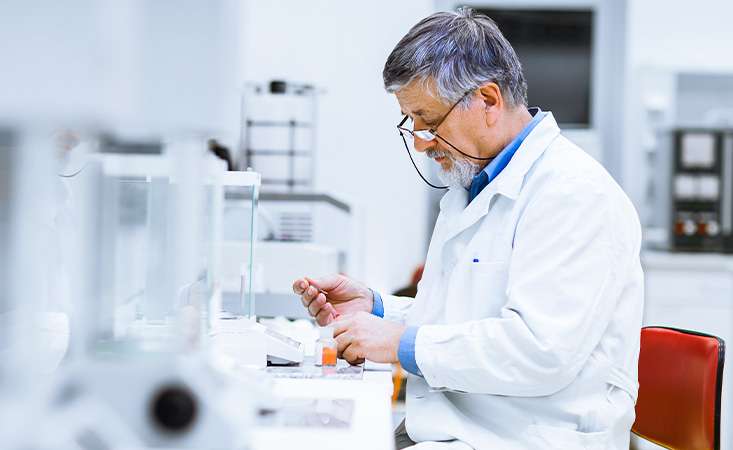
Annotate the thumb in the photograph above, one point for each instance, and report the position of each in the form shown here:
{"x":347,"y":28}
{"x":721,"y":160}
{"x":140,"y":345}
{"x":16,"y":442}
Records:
{"x":326,"y":283}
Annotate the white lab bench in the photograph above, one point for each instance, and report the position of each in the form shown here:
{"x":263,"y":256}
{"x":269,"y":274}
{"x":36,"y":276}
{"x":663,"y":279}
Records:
{"x":371,"y":423}
{"x":694,"y":292}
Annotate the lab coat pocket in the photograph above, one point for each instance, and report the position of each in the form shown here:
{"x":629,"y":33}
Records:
{"x":558,"y":438}
{"x":487,"y":288}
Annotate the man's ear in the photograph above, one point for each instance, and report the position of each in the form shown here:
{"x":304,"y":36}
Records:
{"x":492,"y":101}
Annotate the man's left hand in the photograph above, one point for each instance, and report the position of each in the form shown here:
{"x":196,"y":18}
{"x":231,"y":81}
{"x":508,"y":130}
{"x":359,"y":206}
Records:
{"x":363,"y":336}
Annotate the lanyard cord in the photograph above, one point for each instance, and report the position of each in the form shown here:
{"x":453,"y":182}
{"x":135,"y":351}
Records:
{"x":407,"y":149}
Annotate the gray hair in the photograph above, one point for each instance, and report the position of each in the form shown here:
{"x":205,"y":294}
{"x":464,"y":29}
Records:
{"x":459,"y":51}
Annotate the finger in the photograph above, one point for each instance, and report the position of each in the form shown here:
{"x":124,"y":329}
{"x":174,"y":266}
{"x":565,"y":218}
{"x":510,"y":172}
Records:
{"x":300,"y":285}
{"x":335,"y":314}
{"x":324,"y":317}
{"x":351,"y":354}
{"x":306,"y":299}
{"x":312,"y":291}
{"x":327,"y":283}
{"x":309,"y":295}
{"x":316,"y":305}
{"x":342,"y":342}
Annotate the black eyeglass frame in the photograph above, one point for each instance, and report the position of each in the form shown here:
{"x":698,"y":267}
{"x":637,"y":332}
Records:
{"x":434,"y":132}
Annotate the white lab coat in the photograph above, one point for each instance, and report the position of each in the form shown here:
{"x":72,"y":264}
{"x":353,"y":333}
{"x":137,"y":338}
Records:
{"x":529,"y":309}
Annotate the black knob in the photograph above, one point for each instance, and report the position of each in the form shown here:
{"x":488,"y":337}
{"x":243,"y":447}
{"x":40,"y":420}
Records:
{"x":173,"y":409}
{"x":278,"y":87}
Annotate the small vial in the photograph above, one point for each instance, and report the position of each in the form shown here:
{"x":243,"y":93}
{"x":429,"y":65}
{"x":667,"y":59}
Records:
{"x":326,"y":348}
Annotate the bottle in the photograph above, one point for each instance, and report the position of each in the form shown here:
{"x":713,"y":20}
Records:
{"x":326,"y":348}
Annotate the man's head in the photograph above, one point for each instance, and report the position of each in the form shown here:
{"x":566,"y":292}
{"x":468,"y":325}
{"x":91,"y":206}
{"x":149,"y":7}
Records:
{"x":462,"y":59}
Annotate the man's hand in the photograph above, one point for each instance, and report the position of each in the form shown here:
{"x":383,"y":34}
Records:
{"x":329,"y":297}
{"x":365,"y":336}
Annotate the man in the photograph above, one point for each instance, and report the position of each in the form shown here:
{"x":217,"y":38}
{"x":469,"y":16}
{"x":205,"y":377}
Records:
{"x":525,"y":330}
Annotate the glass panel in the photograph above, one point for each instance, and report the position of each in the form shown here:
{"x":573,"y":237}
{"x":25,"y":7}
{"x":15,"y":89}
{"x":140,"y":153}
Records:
{"x":239,"y":231}
{"x":147,"y":266}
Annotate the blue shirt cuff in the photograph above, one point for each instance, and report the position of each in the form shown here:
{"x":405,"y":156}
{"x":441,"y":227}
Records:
{"x":378,"y":308}
{"x":406,"y":351}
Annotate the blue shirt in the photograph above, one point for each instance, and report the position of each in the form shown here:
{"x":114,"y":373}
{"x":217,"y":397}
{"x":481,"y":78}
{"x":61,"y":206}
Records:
{"x":500,"y":161}
{"x":406,"y":350}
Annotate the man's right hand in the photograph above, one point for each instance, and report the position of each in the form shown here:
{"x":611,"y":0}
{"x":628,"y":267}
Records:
{"x":328,"y":297}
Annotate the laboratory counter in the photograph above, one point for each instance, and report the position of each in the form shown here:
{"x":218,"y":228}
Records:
{"x":331,"y":413}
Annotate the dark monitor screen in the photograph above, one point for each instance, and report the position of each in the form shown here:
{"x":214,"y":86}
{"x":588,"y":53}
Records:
{"x":555,"y":49}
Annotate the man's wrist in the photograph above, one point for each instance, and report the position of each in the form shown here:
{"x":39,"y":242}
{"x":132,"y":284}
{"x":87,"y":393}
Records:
{"x":396,"y":358}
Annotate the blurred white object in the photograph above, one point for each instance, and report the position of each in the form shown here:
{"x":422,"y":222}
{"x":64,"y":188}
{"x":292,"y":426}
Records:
{"x":249,"y":343}
{"x":174,"y":397}
{"x":158,"y":66}
{"x":278,"y":134}
{"x":167,"y":402}
{"x":32,"y":341}
{"x":240,"y":340}
{"x":371,"y":424}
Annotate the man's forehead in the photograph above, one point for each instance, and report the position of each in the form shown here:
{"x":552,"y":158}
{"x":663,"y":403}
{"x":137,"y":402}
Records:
{"x":415,"y":99}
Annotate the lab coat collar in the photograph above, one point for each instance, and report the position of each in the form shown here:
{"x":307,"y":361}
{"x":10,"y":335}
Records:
{"x":508,"y":183}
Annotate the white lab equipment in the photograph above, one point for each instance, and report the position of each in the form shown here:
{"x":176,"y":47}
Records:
{"x":32,"y":337}
{"x":541,"y":273}
{"x":141,"y":230}
{"x":135,"y":207}
{"x":278,"y":134}
{"x":681,"y":157}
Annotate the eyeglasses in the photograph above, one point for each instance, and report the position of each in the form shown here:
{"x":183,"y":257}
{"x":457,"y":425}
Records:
{"x":430,"y":135}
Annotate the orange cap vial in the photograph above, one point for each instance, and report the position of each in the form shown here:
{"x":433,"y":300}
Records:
{"x":326,"y":348}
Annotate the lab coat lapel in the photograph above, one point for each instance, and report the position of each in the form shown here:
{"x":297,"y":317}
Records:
{"x":507,"y":183}
{"x":470,"y":214}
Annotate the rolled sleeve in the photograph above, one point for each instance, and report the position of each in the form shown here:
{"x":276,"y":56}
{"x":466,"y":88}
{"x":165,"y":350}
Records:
{"x":378,"y":307}
{"x":406,"y":351}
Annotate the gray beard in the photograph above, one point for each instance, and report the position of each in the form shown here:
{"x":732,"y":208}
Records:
{"x":461,"y":172}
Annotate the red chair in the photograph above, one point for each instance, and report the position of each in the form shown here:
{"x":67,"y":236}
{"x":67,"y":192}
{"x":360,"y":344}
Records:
{"x":680,"y":381}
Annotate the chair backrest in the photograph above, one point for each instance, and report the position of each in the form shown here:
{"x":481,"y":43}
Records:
{"x":680,"y":382}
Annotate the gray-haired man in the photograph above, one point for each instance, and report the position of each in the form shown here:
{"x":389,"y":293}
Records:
{"x":525,"y":330}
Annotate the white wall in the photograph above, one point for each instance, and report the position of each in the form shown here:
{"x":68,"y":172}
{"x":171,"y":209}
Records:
{"x":157,"y":66}
{"x":342,"y":47}
{"x":674,"y":35}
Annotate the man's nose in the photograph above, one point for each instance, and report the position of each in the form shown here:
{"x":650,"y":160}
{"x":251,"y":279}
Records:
{"x":422,"y":145}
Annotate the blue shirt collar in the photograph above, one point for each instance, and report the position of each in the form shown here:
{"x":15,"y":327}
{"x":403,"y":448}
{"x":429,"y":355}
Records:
{"x":501,"y":160}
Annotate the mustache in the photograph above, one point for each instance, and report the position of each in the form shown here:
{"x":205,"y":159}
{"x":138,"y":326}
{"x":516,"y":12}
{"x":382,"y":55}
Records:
{"x":435,"y":154}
